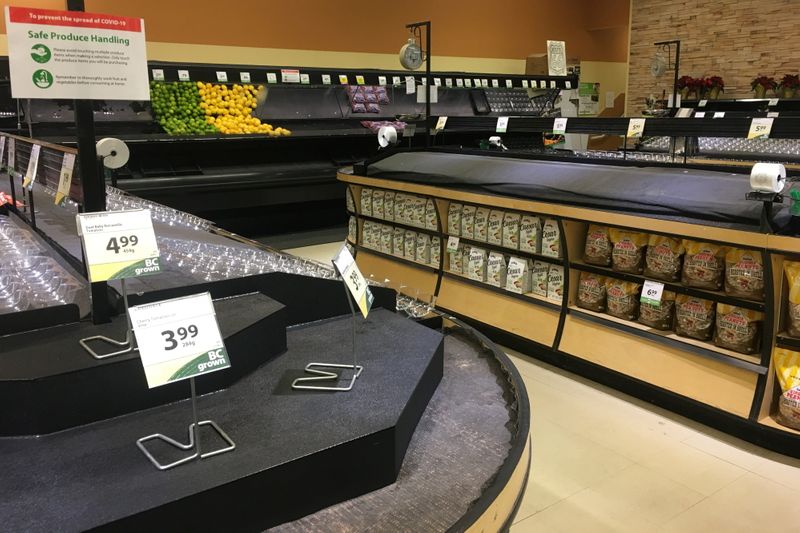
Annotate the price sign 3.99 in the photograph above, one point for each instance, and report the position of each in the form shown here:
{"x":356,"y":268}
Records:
{"x":119,"y":244}
{"x":178,"y":339}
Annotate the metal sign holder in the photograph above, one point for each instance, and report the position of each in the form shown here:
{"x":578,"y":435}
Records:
{"x":323,"y":375}
{"x":128,"y":343}
{"x":194,"y":439}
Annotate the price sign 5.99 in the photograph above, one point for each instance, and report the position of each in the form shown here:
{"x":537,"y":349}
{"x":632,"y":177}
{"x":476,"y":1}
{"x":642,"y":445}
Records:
{"x":119,"y":244}
{"x":178,"y":339}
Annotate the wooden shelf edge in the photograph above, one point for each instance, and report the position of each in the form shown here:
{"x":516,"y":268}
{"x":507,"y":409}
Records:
{"x":770,"y":421}
{"x":430,"y":268}
{"x":782,"y":340}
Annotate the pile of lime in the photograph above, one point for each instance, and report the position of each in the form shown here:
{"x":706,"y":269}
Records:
{"x":177,"y":108}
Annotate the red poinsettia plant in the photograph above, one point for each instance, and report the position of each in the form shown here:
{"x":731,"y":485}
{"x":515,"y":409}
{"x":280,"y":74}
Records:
{"x":685,"y":82}
{"x":790,"y":81}
{"x":768,"y":82}
{"x":715,"y":82}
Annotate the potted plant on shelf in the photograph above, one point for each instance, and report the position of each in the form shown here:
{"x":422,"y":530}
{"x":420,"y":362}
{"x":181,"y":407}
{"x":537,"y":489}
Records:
{"x":685,"y":84}
{"x":761,"y":84}
{"x":714,"y":85}
{"x":789,"y":85}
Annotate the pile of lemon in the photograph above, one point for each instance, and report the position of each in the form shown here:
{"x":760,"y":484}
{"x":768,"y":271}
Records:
{"x":229,"y":109}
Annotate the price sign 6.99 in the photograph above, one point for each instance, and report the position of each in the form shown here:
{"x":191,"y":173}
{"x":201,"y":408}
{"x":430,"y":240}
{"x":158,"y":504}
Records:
{"x":119,"y":244}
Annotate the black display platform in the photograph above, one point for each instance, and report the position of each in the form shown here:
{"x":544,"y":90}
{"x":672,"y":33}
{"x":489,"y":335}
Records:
{"x":53,"y":384}
{"x":297,"y":452}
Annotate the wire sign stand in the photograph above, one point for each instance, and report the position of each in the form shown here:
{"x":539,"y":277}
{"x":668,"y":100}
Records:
{"x":128,"y":345}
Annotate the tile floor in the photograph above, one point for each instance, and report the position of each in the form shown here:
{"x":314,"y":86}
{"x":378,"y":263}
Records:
{"x":603,"y":461}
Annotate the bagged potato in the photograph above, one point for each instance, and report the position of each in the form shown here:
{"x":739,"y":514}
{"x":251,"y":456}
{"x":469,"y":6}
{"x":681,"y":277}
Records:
{"x":351,"y":205}
{"x":436,"y":251}
{"x":352,"y":229}
{"x":663,"y":258}
{"x":555,"y":283}
{"x":744,"y":274}
{"x":551,"y":238}
{"x":398,"y":242}
{"x":530,"y":234}
{"x":792,"y":271}
{"x":694,"y":317}
{"x":518,"y":276}
{"x":592,"y":292}
{"x":431,"y":216}
{"x":789,"y":409}
{"x":468,"y":221}
{"x":366,"y":201}
{"x":456,"y":266}
{"x":388,"y":205}
{"x":423,"y":252}
{"x":454,"y":219}
{"x":465,"y":252}
{"x":511,"y":230}
{"x":377,"y":203}
{"x":410,"y":245}
{"x":477,"y":264}
{"x":627,"y":252}
{"x":622,"y":298}
{"x":494,"y":231}
{"x":539,"y":278}
{"x":481,"y":224}
{"x":787,"y":369}
{"x":737,"y":328}
{"x":597,"y":250}
{"x":658,"y":316}
{"x":366,"y":234}
{"x":418,"y":212}
{"x":410,"y":206}
{"x":496,"y":270}
{"x":386,"y":239}
{"x":703,"y":265}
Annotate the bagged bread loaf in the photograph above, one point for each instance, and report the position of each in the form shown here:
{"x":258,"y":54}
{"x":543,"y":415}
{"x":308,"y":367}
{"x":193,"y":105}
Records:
{"x":737,"y":329}
{"x":377,"y":203}
{"x":597,"y":250}
{"x":627,"y":253}
{"x":792,"y":271}
{"x":622,"y":298}
{"x":494,"y":228}
{"x":468,"y":221}
{"x":744,"y":274}
{"x":658,"y":316}
{"x":663,"y":258}
{"x":481,"y":223}
{"x":694,"y":317}
{"x":592,"y":292}
{"x":703,"y":265}
{"x":787,"y":369}
{"x":511,"y":230}
{"x":530,"y":234}
{"x":454,"y":219}
{"x":539,"y":278}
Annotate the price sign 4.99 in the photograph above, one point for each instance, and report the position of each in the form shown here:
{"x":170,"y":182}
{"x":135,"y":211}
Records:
{"x":178,"y":339}
{"x":119,"y":244}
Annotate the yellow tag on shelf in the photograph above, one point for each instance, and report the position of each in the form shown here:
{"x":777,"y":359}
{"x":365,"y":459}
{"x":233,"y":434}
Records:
{"x":760,"y":128}
{"x":635,"y":128}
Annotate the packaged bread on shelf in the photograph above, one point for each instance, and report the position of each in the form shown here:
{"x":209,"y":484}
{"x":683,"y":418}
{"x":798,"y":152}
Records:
{"x":477,"y":264}
{"x":663,"y":258}
{"x":366,"y":201}
{"x":436,"y":251}
{"x":431,"y":215}
{"x":511,"y":230}
{"x":518,"y":276}
{"x":787,"y":369}
{"x":539,"y":272}
{"x":627,"y":252}
{"x":410,"y":245}
{"x":551,"y":238}
{"x":744,"y":274}
{"x":481,"y":224}
{"x":398,"y":242}
{"x":494,"y":228}
{"x":694,"y":317}
{"x":597,"y":250}
{"x":454,"y":219}
{"x":496,"y":270}
{"x":455,"y":259}
{"x":423,"y":254}
{"x":530,"y":234}
{"x":555,"y":283}
{"x":386,"y":239}
{"x":377,"y":203}
{"x":592,"y":292}
{"x":792,"y":271}
{"x":468,"y":221}
{"x":348,"y":196}
{"x":418,"y":212}
{"x":400,"y":200}
{"x":703,"y":265}
{"x":659,"y":316}
{"x":738,"y":329}
{"x":352,"y":229}
{"x":622,"y":298}
{"x":388,"y":205}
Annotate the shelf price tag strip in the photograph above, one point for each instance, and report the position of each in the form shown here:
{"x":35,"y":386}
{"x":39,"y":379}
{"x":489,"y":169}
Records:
{"x":560,"y":126}
{"x":64,"y":178}
{"x":180,"y":339}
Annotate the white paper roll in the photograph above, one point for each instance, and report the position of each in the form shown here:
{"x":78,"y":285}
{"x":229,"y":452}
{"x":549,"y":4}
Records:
{"x":387,"y":136}
{"x":768,"y":177}
{"x":114,"y":152}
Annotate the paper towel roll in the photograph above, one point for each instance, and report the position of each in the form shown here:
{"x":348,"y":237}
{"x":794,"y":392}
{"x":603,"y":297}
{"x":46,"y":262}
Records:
{"x":114,"y":152}
{"x":768,"y":177}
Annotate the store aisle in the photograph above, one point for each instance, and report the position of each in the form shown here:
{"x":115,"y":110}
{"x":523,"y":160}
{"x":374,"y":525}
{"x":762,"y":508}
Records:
{"x":603,"y":462}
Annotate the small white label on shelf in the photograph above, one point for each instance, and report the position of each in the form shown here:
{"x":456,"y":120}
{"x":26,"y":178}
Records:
{"x":33,"y":167}
{"x":183,"y":75}
{"x":568,"y":84}
{"x":651,"y":292}
{"x":760,"y":128}
{"x":178,"y":339}
{"x":305,"y":79}
{"x":452,"y":244}
{"x":476,"y":82}
{"x":326,"y":79}
{"x":485,"y":82}
{"x":772,"y":102}
{"x":64,"y":179}
{"x":552,"y":84}
{"x":448,"y":82}
{"x":525,"y":84}
{"x":396,"y":80}
{"x":381,"y":80}
{"x":635,"y":128}
{"x":359,"y":79}
{"x":459,"y":82}
{"x":440,"y":124}
{"x":773,"y":114}
{"x":273,"y":78}
{"x":502,"y":125}
{"x":410,"y":85}
{"x":343,"y":79}
{"x":158,"y":74}
{"x":244,"y":77}
{"x":702,"y":103}
{"x":421,"y":94}
{"x":719,"y":114}
{"x":222,"y":76}
{"x":699,"y":114}
{"x":468,"y":82}
{"x":496,"y":84}
{"x":437,"y":82}
{"x":509,"y":84}
{"x":560,"y":126}
{"x":346,"y":265}
{"x":290,"y":75}
{"x":423,"y":81}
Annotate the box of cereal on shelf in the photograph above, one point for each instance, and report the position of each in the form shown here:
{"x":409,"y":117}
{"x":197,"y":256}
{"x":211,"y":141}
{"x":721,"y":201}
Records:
{"x":348,"y":196}
{"x":539,"y":278}
{"x":366,"y":201}
{"x":454,"y":219}
{"x":477,"y":264}
{"x":518,"y":275}
{"x":436,"y":251}
{"x":423,"y":248}
{"x":494,"y":228}
{"x":398,"y":241}
{"x":431,"y":216}
{"x":388,"y":205}
{"x":481,"y":223}
{"x":377,"y":203}
{"x":386,"y":239}
{"x":400,"y":207}
{"x":352,"y":229}
{"x":555,"y":283}
{"x":530,"y":234}
{"x":551,"y":238}
{"x":455,"y":260}
{"x":496,"y":270}
{"x":511,"y":230}
{"x":468,"y":221}
{"x":410,"y":245}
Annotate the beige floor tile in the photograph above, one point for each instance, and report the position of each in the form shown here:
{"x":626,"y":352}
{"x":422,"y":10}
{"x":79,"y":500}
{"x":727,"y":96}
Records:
{"x":749,"y":504}
{"x":571,"y":516}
